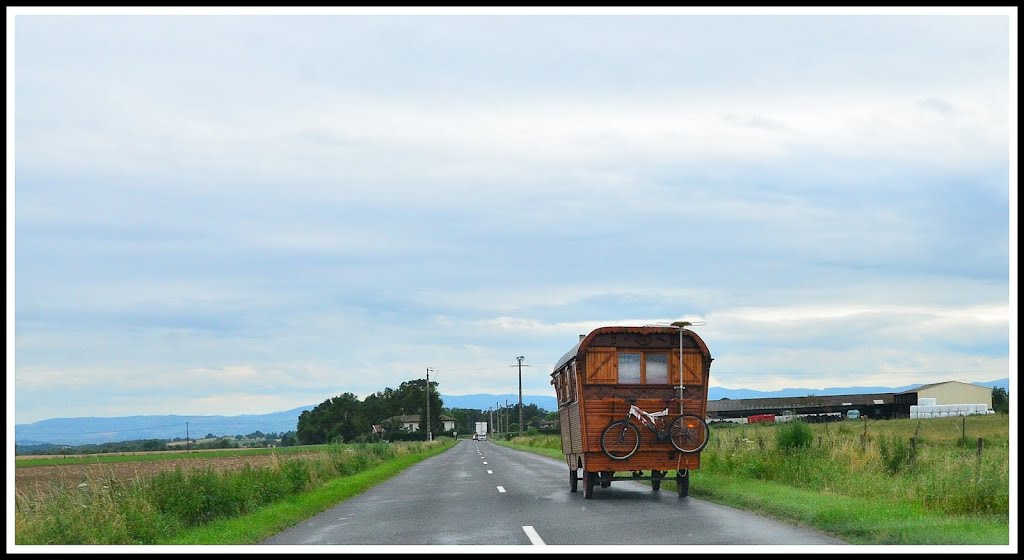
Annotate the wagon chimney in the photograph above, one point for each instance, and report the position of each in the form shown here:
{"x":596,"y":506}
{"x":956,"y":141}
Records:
{"x":582,"y":336}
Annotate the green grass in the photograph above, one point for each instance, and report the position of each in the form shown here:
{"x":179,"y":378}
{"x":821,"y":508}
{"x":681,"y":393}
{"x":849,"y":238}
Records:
{"x":861,"y":481}
{"x":270,"y":520}
{"x":854,"y":520}
{"x":204,"y":506}
{"x":101,"y":458}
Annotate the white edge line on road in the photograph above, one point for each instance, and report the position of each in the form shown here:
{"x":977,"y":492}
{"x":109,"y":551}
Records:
{"x":501,"y":489}
{"x":532,"y":534}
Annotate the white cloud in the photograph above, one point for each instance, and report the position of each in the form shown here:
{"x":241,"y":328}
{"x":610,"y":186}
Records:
{"x":249,"y":212}
{"x":387,"y":142}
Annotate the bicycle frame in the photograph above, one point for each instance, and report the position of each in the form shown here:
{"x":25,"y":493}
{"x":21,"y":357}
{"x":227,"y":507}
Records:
{"x":648,"y":420}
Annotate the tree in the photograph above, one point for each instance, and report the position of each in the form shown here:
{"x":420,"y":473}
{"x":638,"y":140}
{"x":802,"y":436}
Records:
{"x":1000,"y":400}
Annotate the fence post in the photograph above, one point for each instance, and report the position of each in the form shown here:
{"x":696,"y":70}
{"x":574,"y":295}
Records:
{"x":864,"y":436}
{"x":977,"y":468}
{"x":963,"y":429}
{"x":913,"y":449}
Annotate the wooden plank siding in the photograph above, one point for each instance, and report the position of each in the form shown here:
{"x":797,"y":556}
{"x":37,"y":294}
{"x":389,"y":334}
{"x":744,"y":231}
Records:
{"x":569,"y":420}
{"x":598,"y":397}
{"x":602,"y":365}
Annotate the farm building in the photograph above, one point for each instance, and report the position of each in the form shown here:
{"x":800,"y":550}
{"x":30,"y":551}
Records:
{"x":411,"y":422}
{"x":873,"y":405}
{"x":947,"y":392}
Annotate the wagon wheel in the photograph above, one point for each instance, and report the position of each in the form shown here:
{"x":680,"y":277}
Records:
{"x":573,"y":480}
{"x":588,"y":485}
{"x":656,"y":480}
{"x":683,"y":483}
{"x":606,"y":478}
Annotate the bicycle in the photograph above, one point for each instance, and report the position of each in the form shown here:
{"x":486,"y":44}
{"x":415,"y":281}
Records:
{"x":687,"y":433}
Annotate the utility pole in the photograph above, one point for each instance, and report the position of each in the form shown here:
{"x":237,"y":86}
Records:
{"x":520,"y":364}
{"x":429,"y":369}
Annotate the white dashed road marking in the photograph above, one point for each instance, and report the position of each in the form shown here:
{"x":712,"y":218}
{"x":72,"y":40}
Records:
{"x":533,"y":536}
{"x":501,"y":489}
{"x":490,"y":472}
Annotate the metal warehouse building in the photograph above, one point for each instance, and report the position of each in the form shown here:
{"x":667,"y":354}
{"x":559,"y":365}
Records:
{"x":947,"y":392}
{"x":874,"y":405}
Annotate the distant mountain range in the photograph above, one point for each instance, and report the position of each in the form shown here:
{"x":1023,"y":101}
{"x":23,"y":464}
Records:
{"x":484,"y":401}
{"x":92,"y":430}
{"x":716,"y":393}
{"x":81,"y":431}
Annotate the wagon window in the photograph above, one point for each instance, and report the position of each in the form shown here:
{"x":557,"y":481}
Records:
{"x":656,"y":368}
{"x":629,"y":367}
{"x":571,"y":388}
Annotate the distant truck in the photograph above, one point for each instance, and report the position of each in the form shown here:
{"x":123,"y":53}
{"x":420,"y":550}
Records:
{"x":481,"y":431}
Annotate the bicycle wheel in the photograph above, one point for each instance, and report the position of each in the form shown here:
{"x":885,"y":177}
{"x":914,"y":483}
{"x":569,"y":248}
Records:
{"x":620,"y":440}
{"x":689,"y":433}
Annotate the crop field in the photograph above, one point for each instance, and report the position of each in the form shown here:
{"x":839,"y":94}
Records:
{"x":38,"y":475}
{"x":162,"y":497}
{"x":934,"y":481}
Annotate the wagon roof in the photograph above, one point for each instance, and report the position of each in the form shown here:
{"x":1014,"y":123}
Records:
{"x":583,"y":344}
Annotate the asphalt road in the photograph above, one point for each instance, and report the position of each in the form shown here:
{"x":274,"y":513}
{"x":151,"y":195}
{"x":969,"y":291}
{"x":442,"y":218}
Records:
{"x":480,"y":493}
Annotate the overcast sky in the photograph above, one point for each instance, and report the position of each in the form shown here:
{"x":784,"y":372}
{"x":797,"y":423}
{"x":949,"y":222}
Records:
{"x":245,"y":214}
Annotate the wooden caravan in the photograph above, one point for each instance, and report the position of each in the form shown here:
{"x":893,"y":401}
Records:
{"x":612,"y":367}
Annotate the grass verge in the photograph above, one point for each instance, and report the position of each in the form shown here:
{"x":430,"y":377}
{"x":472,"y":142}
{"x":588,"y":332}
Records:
{"x":854,"y":520}
{"x":272,"y":519}
{"x":885,"y":519}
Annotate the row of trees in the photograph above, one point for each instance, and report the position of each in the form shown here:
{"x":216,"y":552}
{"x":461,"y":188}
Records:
{"x":345,"y":418}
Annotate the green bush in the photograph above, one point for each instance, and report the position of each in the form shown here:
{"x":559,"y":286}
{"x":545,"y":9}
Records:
{"x":794,"y":435}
